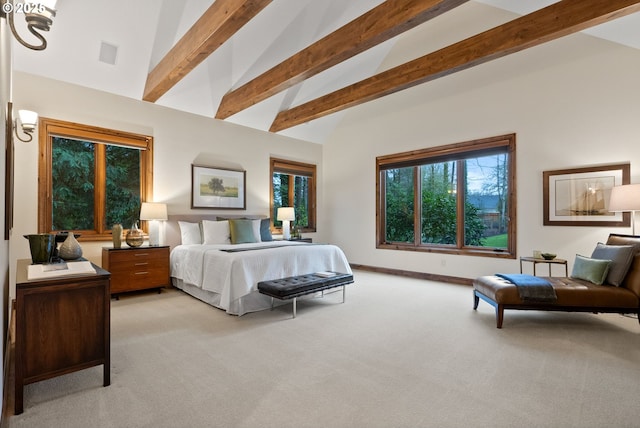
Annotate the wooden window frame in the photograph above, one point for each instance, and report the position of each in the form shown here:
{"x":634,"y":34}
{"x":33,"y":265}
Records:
{"x":292,"y":168}
{"x":50,"y":128}
{"x":458,"y":151}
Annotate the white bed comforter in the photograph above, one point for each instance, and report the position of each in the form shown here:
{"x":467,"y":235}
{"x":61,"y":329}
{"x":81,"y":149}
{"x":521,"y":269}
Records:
{"x":234,"y":275}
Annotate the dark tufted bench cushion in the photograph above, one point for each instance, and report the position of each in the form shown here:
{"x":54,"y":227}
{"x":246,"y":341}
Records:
{"x":296,"y":286}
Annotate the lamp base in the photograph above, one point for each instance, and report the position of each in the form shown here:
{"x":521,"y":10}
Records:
{"x":154,"y":233}
{"x":286,"y":230}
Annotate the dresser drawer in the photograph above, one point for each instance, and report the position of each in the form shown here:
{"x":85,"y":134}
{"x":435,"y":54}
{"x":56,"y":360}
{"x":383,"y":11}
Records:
{"x":138,"y":255}
{"x":136,"y":268}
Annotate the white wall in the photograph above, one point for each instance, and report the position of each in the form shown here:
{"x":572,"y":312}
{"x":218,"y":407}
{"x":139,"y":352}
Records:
{"x":572,"y":103}
{"x":180,"y":139}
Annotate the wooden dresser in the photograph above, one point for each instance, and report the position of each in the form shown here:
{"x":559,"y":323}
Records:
{"x":136,"y":268}
{"x":62,"y":325}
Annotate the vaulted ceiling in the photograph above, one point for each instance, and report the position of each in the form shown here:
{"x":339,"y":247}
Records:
{"x":294,"y":66}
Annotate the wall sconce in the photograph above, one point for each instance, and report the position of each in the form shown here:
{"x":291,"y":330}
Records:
{"x":28,"y":121}
{"x":38,"y":14}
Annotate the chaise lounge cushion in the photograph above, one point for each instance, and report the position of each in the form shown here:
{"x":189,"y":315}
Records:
{"x":570,"y":292}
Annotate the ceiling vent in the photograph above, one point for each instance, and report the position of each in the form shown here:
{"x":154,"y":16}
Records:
{"x":108,"y":53}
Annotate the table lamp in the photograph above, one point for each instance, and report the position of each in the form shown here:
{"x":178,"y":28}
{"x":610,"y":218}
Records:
{"x":154,"y":213}
{"x":286,"y":215}
{"x":626,"y":198}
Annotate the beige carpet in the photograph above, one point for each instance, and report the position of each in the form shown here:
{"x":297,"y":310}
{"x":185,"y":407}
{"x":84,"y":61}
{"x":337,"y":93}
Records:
{"x":399,"y":353}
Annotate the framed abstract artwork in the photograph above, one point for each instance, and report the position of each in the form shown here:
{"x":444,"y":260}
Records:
{"x":218,"y":188}
{"x":580,"y":196}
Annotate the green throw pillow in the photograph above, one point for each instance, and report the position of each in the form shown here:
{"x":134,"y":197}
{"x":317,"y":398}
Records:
{"x":592,"y":270}
{"x":241,"y":231}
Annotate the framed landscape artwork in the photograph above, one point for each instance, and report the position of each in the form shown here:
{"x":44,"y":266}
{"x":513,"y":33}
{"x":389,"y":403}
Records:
{"x":580,"y":196}
{"x":217,"y":188}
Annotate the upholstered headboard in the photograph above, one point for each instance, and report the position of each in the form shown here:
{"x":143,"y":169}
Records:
{"x":172,"y":228}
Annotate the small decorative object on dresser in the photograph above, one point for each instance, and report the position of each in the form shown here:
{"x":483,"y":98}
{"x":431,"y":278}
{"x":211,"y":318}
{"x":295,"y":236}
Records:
{"x":116,"y":233}
{"x":138,"y":268}
{"x":42,"y":246}
{"x":134,"y":237}
{"x":70,"y":248}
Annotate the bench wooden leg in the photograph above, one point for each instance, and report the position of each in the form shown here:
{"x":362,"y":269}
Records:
{"x":295,"y":300}
{"x":499,"y":315}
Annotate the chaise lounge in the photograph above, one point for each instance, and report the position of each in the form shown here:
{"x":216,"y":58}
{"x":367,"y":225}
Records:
{"x":617,"y":292}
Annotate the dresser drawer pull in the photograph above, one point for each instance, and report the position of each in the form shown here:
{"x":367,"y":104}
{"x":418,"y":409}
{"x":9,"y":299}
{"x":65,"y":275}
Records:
{"x":141,"y":254}
{"x":142,"y":273}
{"x":142,"y":264}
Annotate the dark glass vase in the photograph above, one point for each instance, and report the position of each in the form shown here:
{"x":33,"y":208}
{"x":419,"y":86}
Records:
{"x":42,"y":246}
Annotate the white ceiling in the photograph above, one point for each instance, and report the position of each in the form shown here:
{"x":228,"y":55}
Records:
{"x":144,"y":31}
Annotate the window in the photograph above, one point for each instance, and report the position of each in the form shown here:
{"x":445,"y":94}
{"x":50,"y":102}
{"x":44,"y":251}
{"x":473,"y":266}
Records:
{"x":293,"y":184}
{"x":456,"y":199}
{"x":91,"y":178}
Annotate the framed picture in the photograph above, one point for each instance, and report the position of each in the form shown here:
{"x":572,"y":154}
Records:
{"x":218,"y":188}
{"x":580,"y":196}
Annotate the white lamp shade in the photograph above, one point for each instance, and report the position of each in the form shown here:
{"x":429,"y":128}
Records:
{"x":286,"y":214}
{"x":625,"y":198}
{"x":28,"y":119}
{"x":153,"y":211}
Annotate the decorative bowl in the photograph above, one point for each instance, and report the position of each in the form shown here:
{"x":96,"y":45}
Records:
{"x":548,"y":256}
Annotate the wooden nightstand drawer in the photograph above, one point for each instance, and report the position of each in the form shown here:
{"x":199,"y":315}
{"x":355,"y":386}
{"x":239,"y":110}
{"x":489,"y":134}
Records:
{"x":136,"y":268}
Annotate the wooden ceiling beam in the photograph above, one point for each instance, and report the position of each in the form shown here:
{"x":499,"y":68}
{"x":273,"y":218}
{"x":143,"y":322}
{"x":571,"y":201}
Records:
{"x":550,"y":23}
{"x":221,"y":21}
{"x":378,"y":25}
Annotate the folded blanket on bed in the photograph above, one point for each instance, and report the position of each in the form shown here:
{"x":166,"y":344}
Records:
{"x":263,"y":247}
{"x":531,"y":288}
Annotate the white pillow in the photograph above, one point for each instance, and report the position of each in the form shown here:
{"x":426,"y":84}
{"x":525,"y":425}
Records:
{"x":216,"y":232}
{"x":190,"y":233}
{"x":256,"y":229}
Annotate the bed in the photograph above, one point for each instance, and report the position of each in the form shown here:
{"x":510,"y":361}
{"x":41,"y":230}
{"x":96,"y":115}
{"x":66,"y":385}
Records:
{"x":225,"y":274}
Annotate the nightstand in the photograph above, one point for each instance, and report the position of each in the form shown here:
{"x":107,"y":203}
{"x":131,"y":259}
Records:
{"x":300,"y":240}
{"x":136,"y":268}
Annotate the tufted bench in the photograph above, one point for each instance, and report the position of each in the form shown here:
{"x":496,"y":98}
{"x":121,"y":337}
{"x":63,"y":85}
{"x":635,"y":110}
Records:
{"x":296,"y":286}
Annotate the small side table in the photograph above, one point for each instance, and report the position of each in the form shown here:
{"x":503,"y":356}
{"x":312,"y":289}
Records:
{"x":535,"y":261}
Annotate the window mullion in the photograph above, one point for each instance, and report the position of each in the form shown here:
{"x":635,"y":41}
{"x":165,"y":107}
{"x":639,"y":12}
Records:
{"x":417,"y":207}
{"x":460,"y":197}
{"x":100,"y":187}
{"x":291,"y":190}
